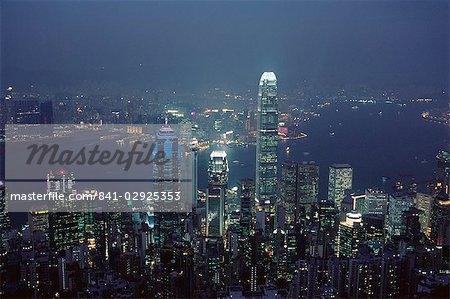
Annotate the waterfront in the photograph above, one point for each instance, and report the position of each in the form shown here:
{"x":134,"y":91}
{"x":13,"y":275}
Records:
{"x":388,"y":141}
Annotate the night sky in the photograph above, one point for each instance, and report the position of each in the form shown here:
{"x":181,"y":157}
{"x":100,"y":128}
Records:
{"x":196,"y":44}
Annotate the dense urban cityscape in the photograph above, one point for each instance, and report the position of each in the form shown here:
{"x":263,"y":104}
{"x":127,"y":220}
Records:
{"x":271,"y":235}
{"x":306,"y":190}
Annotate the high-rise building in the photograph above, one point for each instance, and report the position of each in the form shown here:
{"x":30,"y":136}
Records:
{"x":167,"y":224}
{"x":168,"y":141}
{"x":339,"y":182}
{"x":373,"y":231}
{"x":398,"y":203}
{"x":64,"y":227}
{"x":318,"y":278}
{"x":65,"y":230}
{"x":373,"y":276}
{"x":267,"y":141}
{"x":4,"y":219}
{"x":347,"y":205}
{"x":38,"y":221}
{"x":26,"y":111}
{"x":291,"y":211}
{"x":375,"y":202}
{"x":173,"y":273}
{"x":349,"y":236}
{"x":327,"y":215}
{"x":215,"y":203}
{"x":440,"y":222}
{"x":46,"y":112}
{"x":4,"y":226}
{"x":194,"y":177}
{"x":424,"y":203}
{"x":412,"y":224}
{"x":214,"y":256}
{"x":288,"y":194}
{"x":328,"y":227}
{"x":443,"y":158}
{"x":358,"y":201}
{"x":308,"y":185}
{"x":246,"y":194}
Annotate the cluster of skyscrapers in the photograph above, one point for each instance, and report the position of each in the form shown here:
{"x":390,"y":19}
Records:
{"x":272,"y":236}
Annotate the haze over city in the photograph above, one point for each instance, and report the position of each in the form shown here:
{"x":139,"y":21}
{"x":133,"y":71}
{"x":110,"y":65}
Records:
{"x":224,"y":149}
{"x":193,"y":45}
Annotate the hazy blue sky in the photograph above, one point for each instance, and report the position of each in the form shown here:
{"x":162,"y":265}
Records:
{"x":199,"y":43}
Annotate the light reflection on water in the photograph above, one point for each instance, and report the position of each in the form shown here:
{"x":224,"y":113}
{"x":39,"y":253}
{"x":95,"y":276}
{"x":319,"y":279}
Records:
{"x":390,"y":144}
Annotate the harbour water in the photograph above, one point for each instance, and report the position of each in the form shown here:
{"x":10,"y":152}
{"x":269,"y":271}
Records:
{"x":378,"y":140}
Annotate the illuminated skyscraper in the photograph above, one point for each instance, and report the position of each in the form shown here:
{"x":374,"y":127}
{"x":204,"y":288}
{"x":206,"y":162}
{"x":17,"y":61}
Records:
{"x":167,"y":224}
{"x":398,"y":203}
{"x":327,"y":226}
{"x":167,"y":141}
{"x":375,"y":202}
{"x":267,"y":141}
{"x":65,"y":226}
{"x":349,"y":236}
{"x":443,"y":158}
{"x":215,"y":203}
{"x":308,"y":185}
{"x":194,"y":176}
{"x":4,"y":226}
{"x":440,"y":222}
{"x":373,"y":231}
{"x":424,"y":203}
{"x":289,"y":195}
{"x":290,"y":202}
{"x":339,"y":182}
{"x":246,"y":194}
{"x":38,"y":221}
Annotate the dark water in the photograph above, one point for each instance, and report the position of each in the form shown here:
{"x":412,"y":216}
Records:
{"x":396,"y":143}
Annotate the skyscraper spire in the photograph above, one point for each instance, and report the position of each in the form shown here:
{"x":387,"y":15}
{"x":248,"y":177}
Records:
{"x":267,"y":140}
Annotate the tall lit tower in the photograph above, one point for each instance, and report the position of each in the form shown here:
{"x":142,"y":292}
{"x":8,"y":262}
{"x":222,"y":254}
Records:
{"x":349,"y":236}
{"x":289,"y":191}
{"x":308,"y":185}
{"x":246,"y":193}
{"x":375,"y":202}
{"x":217,"y":184}
{"x":166,"y":224}
{"x":167,"y":141}
{"x":64,"y":227}
{"x":267,"y":141}
{"x":339,"y":182}
{"x":395,"y":221}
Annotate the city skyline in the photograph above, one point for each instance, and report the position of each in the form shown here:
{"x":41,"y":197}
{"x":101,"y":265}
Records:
{"x":289,"y":149}
{"x":274,"y":241}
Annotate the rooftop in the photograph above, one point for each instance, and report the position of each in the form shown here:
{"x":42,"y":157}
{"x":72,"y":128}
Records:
{"x":218,"y":154}
{"x":268,"y":76}
{"x":341,"y":166}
